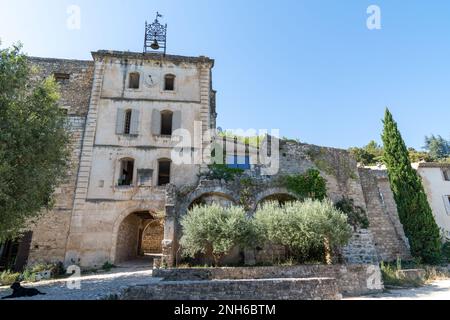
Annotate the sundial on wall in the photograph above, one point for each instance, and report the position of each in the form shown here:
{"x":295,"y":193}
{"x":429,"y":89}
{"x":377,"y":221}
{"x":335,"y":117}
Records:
{"x":150,"y":80}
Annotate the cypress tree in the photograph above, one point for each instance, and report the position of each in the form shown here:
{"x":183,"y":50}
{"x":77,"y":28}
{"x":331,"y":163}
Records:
{"x":413,"y":207}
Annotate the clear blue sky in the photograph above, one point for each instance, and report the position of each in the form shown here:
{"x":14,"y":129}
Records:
{"x":308,"y":67}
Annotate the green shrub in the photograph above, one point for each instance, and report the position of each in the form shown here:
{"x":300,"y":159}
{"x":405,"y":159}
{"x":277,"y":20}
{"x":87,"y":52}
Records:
{"x":307,"y":229}
{"x":107,"y":266}
{"x":214,"y":230}
{"x":7,"y":278}
{"x":392,"y":277}
{"x":309,"y":185}
{"x":446,"y":251}
{"x":357,"y":217}
{"x":223,"y":172}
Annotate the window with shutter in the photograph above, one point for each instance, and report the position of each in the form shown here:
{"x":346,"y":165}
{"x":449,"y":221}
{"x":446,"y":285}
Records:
{"x":166,"y":123}
{"x":156,"y":122}
{"x":134,"y":122}
{"x":120,"y":121}
{"x":127,"y":122}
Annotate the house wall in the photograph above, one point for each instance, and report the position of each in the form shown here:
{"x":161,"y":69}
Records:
{"x":437,"y":190}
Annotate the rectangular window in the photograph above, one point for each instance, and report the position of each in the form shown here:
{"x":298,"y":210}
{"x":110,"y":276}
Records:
{"x":446,"y":173}
{"x":134,"y":80}
{"x":447,"y":204}
{"x":126,"y":173}
{"x":238,"y":162}
{"x":164,"y":172}
{"x":61,"y":78}
{"x":169,"y":83}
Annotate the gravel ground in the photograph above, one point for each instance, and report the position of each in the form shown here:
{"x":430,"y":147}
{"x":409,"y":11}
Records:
{"x":102,"y":285}
{"x":93,"y":287}
{"x":438,"y":290}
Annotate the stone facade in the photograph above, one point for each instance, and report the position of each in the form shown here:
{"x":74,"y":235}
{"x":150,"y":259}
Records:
{"x":51,"y":231}
{"x":97,"y":219}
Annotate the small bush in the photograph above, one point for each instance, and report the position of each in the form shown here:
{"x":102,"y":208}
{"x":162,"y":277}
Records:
{"x":214,"y":230}
{"x":7,"y":278}
{"x":223,"y":172}
{"x":392,"y":277}
{"x":307,"y":229}
{"x":107,"y":266}
{"x":357,"y":217}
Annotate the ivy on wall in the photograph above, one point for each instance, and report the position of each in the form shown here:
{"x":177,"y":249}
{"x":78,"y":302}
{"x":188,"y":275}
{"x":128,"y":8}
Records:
{"x":309,"y":185}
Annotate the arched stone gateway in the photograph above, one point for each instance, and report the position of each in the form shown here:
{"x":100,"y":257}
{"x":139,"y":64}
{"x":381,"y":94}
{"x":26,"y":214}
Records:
{"x":208,"y":195}
{"x":129,"y":233}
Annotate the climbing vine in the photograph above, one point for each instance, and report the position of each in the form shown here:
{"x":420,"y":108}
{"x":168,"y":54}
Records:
{"x":309,"y":185}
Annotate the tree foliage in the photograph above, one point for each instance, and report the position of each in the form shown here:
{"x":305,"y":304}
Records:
{"x":413,"y":207}
{"x":371,"y":154}
{"x":304,"y":228}
{"x":33,"y":143}
{"x":215,"y":230}
{"x":438,"y":147}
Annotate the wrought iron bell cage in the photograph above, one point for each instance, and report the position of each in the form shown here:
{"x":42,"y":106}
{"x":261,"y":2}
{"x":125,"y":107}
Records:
{"x":155,"y":36}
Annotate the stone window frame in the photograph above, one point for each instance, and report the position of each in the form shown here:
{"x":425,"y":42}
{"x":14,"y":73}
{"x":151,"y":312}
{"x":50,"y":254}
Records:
{"x":447,"y":204}
{"x":118,"y":173}
{"x":445,"y":174}
{"x":164,"y":84}
{"x":158,"y":162}
{"x":128,"y":81}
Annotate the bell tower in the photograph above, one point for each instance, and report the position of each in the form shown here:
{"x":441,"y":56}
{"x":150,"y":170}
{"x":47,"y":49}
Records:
{"x":155,"y":36}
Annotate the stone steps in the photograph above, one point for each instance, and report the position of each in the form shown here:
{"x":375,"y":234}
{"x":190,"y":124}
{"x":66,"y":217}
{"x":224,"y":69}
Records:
{"x":246,"y":289}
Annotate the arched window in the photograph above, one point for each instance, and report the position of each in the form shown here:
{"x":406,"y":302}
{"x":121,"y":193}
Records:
{"x":126,"y":172}
{"x":134,"y":80}
{"x":164,"y":172}
{"x":166,"y":123}
{"x":127,"y":124}
{"x":169,"y":82}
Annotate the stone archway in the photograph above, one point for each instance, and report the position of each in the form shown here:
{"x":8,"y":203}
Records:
{"x":222,"y":199}
{"x":282,"y":195}
{"x":128,"y":233}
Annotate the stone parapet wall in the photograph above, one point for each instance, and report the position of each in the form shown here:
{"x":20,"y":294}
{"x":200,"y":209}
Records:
{"x":262,"y":289}
{"x":352,"y":280}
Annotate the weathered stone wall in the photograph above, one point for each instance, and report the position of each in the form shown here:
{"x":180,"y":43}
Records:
{"x":388,"y":235}
{"x":352,"y":280}
{"x":383,"y":241}
{"x":361,"y":248}
{"x":51,"y":230}
{"x":264,"y":289}
{"x":76,"y":91}
{"x":153,"y":237}
{"x":127,"y":239}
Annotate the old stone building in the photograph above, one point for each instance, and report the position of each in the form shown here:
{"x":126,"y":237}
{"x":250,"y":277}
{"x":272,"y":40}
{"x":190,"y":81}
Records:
{"x":125,"y":193}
